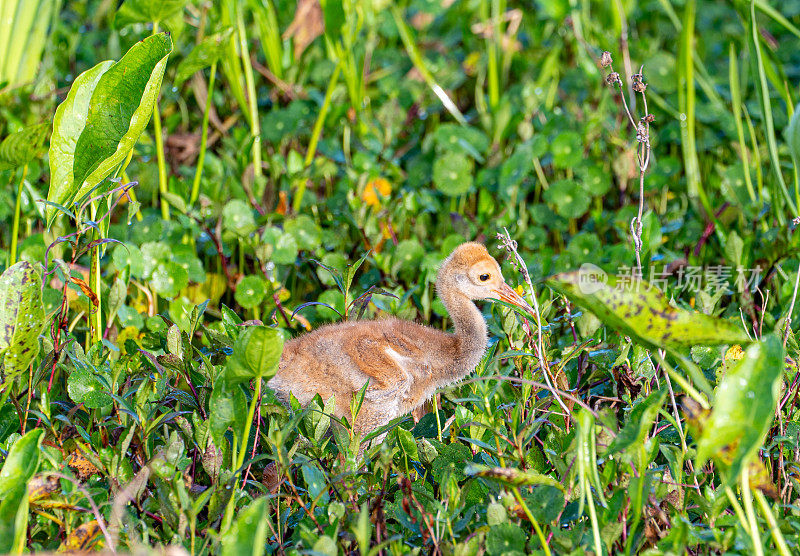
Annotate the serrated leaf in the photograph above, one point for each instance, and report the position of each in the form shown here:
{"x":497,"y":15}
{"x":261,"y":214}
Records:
{"x":21,"y":147}
{"x":106,"y":110}
{"x":21,"y":316}
{"x":744,"y":407}
{"x":640,"y":311}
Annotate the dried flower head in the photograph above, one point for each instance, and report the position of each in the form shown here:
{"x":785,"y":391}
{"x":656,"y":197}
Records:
{"x":605,"y":59}
{"x":637,"y":80}
{"x":612,"y":78}
{"x":649,"y":119}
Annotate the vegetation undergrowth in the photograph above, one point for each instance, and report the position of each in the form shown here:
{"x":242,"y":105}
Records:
{"x":186,"y":184}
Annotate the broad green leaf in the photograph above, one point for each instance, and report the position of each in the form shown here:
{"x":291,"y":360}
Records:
{"x":639,"y":310}
{"x":256,"y":354}
{"x":68,"y":124}
{"x":744,"y":407}
{"x":334,"y":16}
{"x":21,"y":462}
{"x":316,"y":483}
{"x":248,"y":535}
{"x":21,"y":147}
{"x":20,"y":465}
{"x":9,"y":421}
{"x":21,"y":316}
{"x":511,"y":476}
{"x":14,"y":520}
{"x":106,"y":110}
{"x":639,"y":422}
{"x":146,"y":11}
{"x":203,"y":55}
{"x":405,"y":440}
{"x":222,"y":407}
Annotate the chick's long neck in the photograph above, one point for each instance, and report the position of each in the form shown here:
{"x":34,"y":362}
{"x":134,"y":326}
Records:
{"x":470,"y":327}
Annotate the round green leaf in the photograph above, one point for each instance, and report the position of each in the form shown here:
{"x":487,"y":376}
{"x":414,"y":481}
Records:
{"x":129,"y":255}
{"x":169,"y":279}
{"x":452,"y":173}
{"x":566,"y":149}
{"x":250,"y":292}
{"x":451,"y":459}
{"x":185,"y":256}
{"x":84,"y":387}
{"x":505,"y":539}
{"x":569,"y":200}
{"x":278,"y":246}
{"x":595,"y":180}
{"x":305,"y":231}
{"x":153,"y":253}
{"x":237,"y":217}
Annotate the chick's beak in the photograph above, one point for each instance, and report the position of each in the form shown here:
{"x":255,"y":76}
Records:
{"x":507,"y":294}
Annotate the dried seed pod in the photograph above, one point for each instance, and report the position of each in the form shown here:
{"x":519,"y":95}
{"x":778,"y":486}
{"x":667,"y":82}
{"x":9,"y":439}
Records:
{"x":612,"y":78}
{"x":605,"y":59}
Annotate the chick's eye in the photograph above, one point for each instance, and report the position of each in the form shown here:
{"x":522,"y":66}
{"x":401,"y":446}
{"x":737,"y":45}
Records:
{"x":483,"y":277}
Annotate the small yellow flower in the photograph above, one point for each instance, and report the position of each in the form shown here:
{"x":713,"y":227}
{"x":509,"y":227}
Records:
{"x":520,"y":290}
{"x":374,"y":187}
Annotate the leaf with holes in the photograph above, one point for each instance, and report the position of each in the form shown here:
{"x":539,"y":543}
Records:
{"x":21,"y":316}
{"x":639,"y":310}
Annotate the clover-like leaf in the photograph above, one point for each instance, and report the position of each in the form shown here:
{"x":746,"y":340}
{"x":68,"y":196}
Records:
{"x":568,"y":198}
{"x":452,"y":173}
{"x":250,"y":291}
